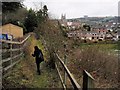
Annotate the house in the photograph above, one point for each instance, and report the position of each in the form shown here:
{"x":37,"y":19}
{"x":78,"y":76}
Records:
{"x":73,"y":25}
{"x":86,"y":35}
{"x":118,"y":34}
{"x":90,"y":35}
{"x":109,"y":37}
{"x":72,"y":34}
{"x":95,"y":35}
{"x":12,"y":30}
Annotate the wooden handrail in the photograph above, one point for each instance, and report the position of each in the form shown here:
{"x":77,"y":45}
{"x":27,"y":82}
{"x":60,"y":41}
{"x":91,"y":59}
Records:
{"x":8,"y":67}
{"x":72,"y":79}
{"x":13,"y":50}
{"x":88,"y":80}
{"x":12,"y":63}
{"x":13,"y":42}
{"x":8,"y":59}
{"x":60,"y":77}
{"x":25,"y":39}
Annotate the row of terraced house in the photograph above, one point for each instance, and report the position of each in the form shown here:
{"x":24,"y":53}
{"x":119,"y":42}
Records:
{"x":96,"y":34}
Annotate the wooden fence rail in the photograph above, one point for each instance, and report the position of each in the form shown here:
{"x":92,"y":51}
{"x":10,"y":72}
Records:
{"x":88,"y":80}
{"x":73,"y":81}
{"x":14,"y":42}
{"x":11,"y":58}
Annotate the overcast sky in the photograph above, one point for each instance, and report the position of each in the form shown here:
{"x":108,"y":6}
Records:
{"x":77,"y":8}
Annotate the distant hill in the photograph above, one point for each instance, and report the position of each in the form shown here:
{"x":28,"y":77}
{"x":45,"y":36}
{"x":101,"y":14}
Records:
{"x":100,"y":19}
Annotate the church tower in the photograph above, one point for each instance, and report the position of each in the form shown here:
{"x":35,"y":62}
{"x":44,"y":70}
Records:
{"x":63,"y":18}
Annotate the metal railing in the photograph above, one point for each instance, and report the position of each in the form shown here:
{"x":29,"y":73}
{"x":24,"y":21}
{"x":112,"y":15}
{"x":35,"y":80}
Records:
{"x":9,"y":61}
{"x":88,"y":80}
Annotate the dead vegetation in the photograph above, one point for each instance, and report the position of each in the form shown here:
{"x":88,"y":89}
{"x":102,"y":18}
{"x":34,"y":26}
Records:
{"x":102,"y":64}
{"x":103,"y":67}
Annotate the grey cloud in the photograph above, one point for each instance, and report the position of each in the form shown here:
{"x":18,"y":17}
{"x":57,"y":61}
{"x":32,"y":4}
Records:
{"x":80,"y":8}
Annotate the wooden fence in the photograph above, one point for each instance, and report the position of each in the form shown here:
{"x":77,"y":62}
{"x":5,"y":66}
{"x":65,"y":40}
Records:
{"x":12,"y":59}
{"x":88,"y":80}
{"x":12,"y":55}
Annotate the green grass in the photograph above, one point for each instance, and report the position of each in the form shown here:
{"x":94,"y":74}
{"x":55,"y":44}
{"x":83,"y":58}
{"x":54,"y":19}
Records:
{"x":47,"y":79}
{"x":39,"y":44}
{"x":107,"y":47}
{"x":24,"y":73}
{"x":30,"y":39}
{"x":40,"y":81}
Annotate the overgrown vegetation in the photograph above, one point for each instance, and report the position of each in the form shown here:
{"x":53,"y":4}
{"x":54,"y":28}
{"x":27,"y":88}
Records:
{"x":98,"y":59}
{"x":24,"y":74}
{"x":52,"y":38}
{"x":16,"y":13}
{"x":101,"y":64}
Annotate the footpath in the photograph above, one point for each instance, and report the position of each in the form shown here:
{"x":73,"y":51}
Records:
{"x":23,"y":75}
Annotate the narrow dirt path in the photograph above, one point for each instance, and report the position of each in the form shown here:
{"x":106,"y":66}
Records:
{"x":24,"y":75}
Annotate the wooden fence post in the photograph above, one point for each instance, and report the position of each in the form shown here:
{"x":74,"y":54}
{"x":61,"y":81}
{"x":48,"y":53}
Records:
{"x":11,"y":57}
{"x":65,"y":62}
{"x":1,"y":67}
{"x":74,"y":83}
{"x":11,"y":52}
{"x":88,"y":81}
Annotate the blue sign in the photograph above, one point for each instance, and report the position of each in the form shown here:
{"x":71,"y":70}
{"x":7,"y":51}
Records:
{"x":4,"y":36}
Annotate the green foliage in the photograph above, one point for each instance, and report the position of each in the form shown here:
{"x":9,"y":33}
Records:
{"x":40,"y":18}
{"x":17,"y":16}
{"x":10,"y":6}
{"x":34,"y":18}
{"x":14,"y":12}
{"x":45,"y":11}
{"x":31,"y":21}
{"x":9,"y":11}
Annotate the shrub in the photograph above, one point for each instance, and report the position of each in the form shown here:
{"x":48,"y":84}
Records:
{"x":99,"y":63}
